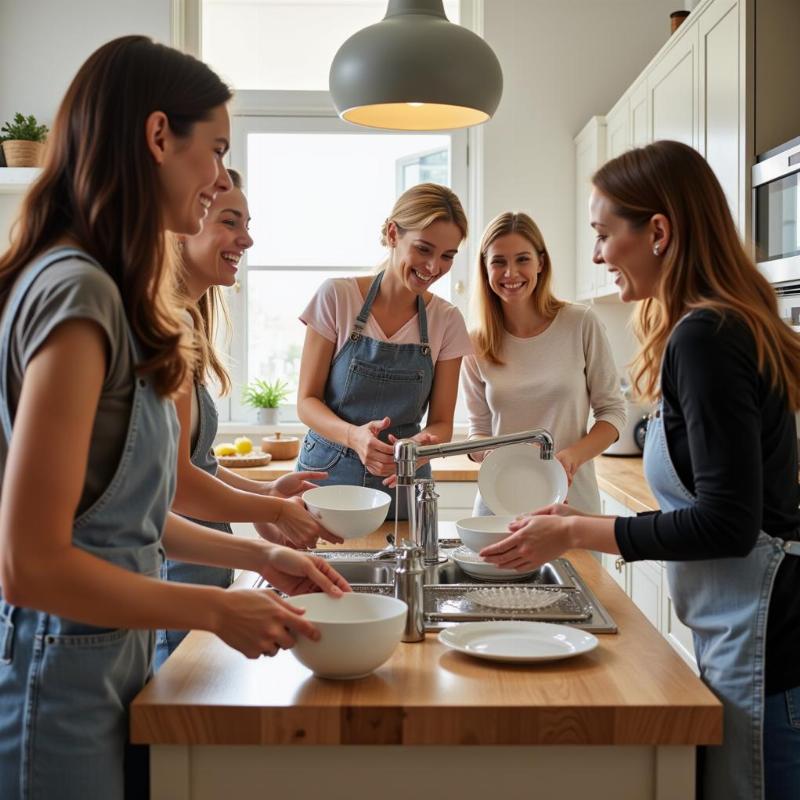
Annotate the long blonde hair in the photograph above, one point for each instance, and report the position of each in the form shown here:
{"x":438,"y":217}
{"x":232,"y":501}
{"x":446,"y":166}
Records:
{"x":705,"y":265}
{"x":487,"y":335}
{"x":206,"y":316}
{"x":422,"y":205}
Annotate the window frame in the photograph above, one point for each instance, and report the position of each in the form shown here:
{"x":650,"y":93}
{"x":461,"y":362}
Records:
{"x":313,"y":111}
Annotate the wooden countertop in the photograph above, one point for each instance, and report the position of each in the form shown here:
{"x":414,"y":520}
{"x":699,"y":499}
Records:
{"x":452,"y":468}
{"x":633,"y":689}
{"x":620,"y":476}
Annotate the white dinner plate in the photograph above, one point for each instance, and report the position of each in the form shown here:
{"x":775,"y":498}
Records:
{"x":475,"y":566}
{"x":513,"y":480}
{"x":517,"y":641}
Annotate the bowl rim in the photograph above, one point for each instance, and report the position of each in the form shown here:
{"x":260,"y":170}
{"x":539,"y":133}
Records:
{"x":384,"y":503}
{"x":399,"y":611}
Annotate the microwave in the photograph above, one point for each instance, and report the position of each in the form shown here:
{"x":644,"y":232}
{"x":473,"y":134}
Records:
{"x":776,"y":213}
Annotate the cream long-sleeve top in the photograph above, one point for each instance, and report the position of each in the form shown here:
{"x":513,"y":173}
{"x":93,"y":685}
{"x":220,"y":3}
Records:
{"x":551,"y":381}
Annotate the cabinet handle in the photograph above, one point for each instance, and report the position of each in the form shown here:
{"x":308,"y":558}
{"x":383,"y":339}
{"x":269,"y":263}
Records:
{"x":619,"y":564}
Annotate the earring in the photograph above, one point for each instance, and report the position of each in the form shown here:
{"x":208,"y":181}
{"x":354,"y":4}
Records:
{"x":656,"y":250}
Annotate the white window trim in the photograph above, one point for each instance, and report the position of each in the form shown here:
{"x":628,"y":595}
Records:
{"x":467,"y":177}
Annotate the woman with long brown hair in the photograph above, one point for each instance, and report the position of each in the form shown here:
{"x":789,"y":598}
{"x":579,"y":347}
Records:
{"x":539,"y":361}
{"x":720,"y":456}
{"x":91,"y":350}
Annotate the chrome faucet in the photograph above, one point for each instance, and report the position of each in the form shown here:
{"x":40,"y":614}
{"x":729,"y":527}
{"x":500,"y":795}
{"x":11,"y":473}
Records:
{"x":407,"y":452}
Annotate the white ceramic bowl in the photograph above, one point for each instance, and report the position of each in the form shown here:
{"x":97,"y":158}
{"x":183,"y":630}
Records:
{"x":358,"y":633}
{"x":348,"y":511}
{"x":480,"y":532}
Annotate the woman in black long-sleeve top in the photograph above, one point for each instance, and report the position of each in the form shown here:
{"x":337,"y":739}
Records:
{"x":721,"y":457}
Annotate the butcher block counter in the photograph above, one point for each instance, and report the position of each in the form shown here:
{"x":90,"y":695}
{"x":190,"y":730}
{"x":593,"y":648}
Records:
{"x":622,"y":721}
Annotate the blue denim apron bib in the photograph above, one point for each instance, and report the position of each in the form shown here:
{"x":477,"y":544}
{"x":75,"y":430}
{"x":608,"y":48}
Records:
{"x":725,"y":602}
{"x":370,"y":379}
{"x":202,"y":456}
{"x":65,"y":687}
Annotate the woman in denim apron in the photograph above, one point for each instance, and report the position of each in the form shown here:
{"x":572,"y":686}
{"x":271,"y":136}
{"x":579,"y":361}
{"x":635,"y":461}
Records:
{"x":211,"y":495}
{"x":720,"y":457}
{"x":360,"y":388}
{"x":81,"y":542}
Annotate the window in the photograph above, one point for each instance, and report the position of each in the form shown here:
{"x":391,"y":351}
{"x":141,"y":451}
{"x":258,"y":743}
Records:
{"x":319,"y":189}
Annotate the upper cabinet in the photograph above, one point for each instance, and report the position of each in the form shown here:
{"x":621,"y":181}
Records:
{"x":693,"y":91}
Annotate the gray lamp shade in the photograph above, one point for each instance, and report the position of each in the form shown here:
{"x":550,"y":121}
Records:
{"x":415,"y":71}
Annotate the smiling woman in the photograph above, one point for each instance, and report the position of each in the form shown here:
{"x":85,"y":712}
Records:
{"x":381,"y":351}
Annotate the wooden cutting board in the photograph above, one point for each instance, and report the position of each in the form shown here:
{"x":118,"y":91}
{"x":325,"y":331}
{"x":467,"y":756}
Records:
{"x":256,"y":458}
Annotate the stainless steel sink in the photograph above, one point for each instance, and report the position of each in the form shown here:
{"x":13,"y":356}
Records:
{"x":448,"y":589}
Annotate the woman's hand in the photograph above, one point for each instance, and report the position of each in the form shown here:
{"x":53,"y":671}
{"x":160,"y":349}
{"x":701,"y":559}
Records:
{"x":301,"y":527}
{"x":571,"y":460}
{"x":257,"y":622}
{"x":375,"y":455}
{"x":533,"y":541}
{"x":294,"y":483}
{"x":421,"y":438}
{"x":297,"y":573}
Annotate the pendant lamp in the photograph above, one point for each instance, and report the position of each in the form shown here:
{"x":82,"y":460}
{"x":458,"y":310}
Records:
{"x":416,"y":71}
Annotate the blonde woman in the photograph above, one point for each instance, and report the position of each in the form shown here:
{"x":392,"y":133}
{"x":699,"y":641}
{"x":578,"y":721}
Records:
{"x":720,"y":456}
{"x":539,"y":361}
{"x":382,"y":350}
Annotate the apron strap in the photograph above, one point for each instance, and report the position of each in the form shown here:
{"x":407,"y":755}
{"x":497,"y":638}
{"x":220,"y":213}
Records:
{"x":13,"y":303}
{"x":363,"y":315}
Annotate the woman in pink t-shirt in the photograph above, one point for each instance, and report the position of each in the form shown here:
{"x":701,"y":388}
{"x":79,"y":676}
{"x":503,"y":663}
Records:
{"x":382,"y":350}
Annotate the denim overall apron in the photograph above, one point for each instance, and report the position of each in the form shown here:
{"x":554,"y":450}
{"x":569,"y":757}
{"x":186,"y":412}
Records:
{"x":725,"y":602}
{"x":368,"y":380}
{"x":202,"y":456}
{"x":65,"y":686}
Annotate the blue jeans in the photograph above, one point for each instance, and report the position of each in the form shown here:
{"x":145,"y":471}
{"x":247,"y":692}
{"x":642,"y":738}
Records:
{"x":782,"y":745}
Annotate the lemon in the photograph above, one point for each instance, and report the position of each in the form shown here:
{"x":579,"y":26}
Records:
{"x":243,"y":445}
{"x":225,"y":449}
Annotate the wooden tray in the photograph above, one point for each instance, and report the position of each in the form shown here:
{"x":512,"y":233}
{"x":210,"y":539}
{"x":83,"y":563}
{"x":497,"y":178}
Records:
{"x":253,"y":459}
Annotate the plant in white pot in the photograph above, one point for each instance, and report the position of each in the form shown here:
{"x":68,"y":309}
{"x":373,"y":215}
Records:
{"x":265,"y":397}
{"x":23,"y":141}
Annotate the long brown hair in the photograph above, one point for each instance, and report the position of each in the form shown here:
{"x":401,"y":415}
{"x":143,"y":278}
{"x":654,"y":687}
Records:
{"x":487,"y":336}
{"x":206,"y":315}
{"x":704,"y":266}
{"x":99,"y":186}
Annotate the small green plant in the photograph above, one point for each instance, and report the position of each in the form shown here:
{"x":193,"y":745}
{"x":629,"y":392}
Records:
{"x":24,"y":128}
{"x":263,"y":394}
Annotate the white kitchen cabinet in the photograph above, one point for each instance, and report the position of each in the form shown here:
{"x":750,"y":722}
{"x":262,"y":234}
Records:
{"x":720,"y":83}
{"x":675,"y":632}
{"x":590,"y":153}
{"x":673,"y":92}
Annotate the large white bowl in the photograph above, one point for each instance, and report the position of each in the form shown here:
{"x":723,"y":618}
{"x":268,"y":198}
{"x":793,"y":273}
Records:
{"x":514,"y":479}
{"x":358,"y":633}
{"x":480,"y":532}
{"x":348,"y":511}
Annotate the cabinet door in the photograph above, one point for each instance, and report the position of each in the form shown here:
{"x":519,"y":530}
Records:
{"x":676,"y":633}
{"x":672,"y":89}
{"x":646,"y":579}
{"x":719,"y":94}
{"x":640,"y":117}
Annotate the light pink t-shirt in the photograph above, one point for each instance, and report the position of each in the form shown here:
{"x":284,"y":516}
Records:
{"x":336,"y":304}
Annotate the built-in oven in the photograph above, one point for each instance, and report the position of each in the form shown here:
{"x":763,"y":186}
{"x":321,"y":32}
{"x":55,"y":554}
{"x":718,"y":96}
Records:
{"x":776,"y":213}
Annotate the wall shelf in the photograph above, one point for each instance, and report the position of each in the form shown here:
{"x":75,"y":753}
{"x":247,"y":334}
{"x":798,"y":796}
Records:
{"x":16,"y":180}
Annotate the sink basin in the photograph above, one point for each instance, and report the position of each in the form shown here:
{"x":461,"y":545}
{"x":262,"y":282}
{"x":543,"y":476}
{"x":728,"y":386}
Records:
{"x":359,"y":571}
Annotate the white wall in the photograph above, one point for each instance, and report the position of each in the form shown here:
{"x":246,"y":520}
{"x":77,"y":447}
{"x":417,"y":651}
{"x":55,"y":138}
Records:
{"x":563,"y":62}
{"x":43,"y":42}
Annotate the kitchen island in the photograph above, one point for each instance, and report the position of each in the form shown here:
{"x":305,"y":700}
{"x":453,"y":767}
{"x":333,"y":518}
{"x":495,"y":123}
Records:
{"x":620,"y":722}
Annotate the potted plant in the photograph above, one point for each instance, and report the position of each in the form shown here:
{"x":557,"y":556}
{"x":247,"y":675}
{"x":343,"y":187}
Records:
{"x":265,"y":397}
{"x":23,"y":141}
